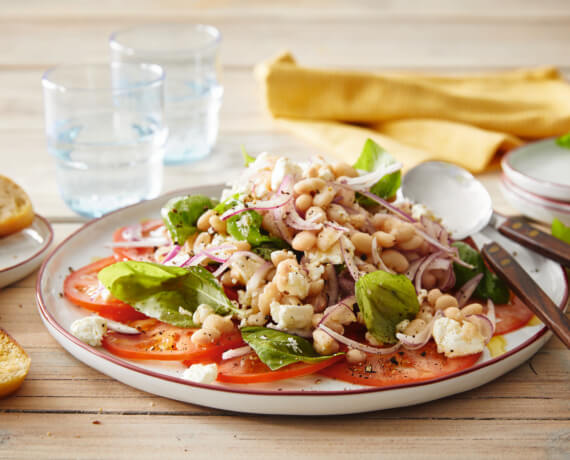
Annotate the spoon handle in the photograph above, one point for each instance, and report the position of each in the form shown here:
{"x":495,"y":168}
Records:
{"x":519,"y":230}
{"x":526,"y":288}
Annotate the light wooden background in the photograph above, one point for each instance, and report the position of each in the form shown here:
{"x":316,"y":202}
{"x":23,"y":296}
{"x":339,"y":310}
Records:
{"x":67,"y":410}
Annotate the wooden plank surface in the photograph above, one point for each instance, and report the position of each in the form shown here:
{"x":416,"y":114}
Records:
{"x":68,"y":410}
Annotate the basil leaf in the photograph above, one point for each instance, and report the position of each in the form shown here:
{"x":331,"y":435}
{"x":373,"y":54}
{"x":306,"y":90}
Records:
{"x":231,"y":202}
{"x":247,"y":158}
{"x":180,"y":215}
{"x":277,"y":349}
{"x":490,"y":286}
{"x":169,"y":294}
{"x":246,"y":226}
{"x":384,"y":300}
{"x":564,"y":141}
{"x":372,"y":158}
{"x":560,"y":231}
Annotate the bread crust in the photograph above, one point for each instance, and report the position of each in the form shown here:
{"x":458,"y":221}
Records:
{"x":16,"y":211}
{"x":14,"y":364}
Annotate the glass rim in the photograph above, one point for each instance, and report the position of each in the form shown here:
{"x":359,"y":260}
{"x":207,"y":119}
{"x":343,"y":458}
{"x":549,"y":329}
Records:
{"x":50,"y":83}
{"x":213,"y":31}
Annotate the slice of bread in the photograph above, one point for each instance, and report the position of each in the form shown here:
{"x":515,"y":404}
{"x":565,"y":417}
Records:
{"x":16,"y":212}
{"x":14,"y":364}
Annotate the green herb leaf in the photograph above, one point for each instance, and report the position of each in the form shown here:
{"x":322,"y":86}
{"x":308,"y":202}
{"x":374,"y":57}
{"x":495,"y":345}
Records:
{"x":490,"y":286}
{"x":560,"y":231}
{"x":247,"y":158}
{"x":246,"y":226}
{"x":169,"y":294}
{"x":564,"y":141}
{"x":277,"y":349}
{"x":180,"y":215}
{"x":384,"y":300}
{"x":372,"y":158}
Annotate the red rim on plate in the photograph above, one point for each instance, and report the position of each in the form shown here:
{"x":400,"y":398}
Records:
{"x":510,"y":169}
{"x":549,"y":203}
{"x":42,"y":249}
{"x":133,"y":367}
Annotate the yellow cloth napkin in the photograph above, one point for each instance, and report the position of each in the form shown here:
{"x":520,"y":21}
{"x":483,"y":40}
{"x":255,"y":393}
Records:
{"x":417,"y":117}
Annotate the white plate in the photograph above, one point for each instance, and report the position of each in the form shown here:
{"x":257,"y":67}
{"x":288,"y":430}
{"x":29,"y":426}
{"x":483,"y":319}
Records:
{"x":534,"y":206}
{"x":542,"y":168}
{"x":302,"y":396}
{"x":22,"y":252}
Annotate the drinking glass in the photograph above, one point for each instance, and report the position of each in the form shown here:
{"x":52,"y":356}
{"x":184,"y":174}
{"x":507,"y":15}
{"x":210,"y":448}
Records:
{"x":105,"y":128}
{"x":189,"y":55}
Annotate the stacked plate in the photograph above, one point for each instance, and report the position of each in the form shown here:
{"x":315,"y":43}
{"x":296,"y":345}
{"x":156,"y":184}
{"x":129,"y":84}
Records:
{"x":536,"y":180}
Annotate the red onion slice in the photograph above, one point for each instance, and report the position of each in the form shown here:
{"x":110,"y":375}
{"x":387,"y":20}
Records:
{"x":376,"y":259}
{"x":366,"y":181}
{"x":195,"y":260}
{"x":491,"y":313}
{"x":213,"y":257}
{"x":284,"y":231}
{"x":423,"y":267}
{"x":467,"y":290}
{"x":413,"y":268}
{"x":412,"y":342}
{"x":259,"y":206}
{"x":172,"y":254}
{"x":359,"y":346}
{"x":222,"y":268}
{"x":484,"y":325}
{"x":332,"y":284}
{"x":349,"y":261}
{"x":294,"y":220}
{"x":337,"y":227}
{"x":146,"y":243}
{"x":344,"y":303}
{"x":388,"y":206}
{"x":450,"y":280}
{"x":235,"y":352}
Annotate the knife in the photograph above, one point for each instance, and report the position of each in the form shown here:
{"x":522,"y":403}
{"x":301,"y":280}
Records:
{"x":520,"y":230}
{"x":507,"y":268}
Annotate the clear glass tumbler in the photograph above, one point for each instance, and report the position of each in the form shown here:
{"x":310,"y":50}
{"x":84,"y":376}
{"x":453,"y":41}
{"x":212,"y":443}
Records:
{"x":193,"y":94}
{"x":105,"y":128}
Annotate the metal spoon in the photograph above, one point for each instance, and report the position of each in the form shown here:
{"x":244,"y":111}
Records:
{"x":466,"y":208}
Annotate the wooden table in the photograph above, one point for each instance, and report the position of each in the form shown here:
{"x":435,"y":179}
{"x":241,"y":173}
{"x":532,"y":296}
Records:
{"x":67,"y":410}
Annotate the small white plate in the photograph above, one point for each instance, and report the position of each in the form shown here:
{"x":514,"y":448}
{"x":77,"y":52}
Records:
{"x":542,"y":168}
{"x":22,"y":252}
{"x":534,"y":206}
{"x":300,"y":396}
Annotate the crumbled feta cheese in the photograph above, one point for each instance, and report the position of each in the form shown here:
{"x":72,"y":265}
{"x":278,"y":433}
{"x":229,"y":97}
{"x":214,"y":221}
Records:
{"x":246,"y":266}
{"x":315,"y":271}
{"x":201,"y":373}
{"x":451,"y":338}
{"x":284,"y":167}
{"x":291,"y":317}
{"x":89,"y":330}
{"x":297,"y":284}
{"x":331,"y":256}
{"x":422,"y":295}
{"x":419,"y":210}
{"x":402,"y":325}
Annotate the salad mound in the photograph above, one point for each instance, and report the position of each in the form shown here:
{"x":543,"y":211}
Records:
{"x":299,"y":268}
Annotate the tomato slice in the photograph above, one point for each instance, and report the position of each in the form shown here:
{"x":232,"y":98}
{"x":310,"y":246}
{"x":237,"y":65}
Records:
{"x":144,"y":229}
{"x":83,"y":289}
{"x":161,"y":341}
{"x":250,"y":369}
{"x":400,"y":367}
{"x":512,"y":316}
